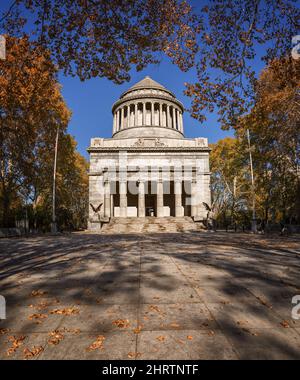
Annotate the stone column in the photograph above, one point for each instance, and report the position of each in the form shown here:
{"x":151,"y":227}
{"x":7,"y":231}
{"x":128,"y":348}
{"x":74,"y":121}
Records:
{"x":144,"y":113}
{"x":127,"y":118}
{"x":111,"y":205}
{"x":174,"y":118}
{"x":160,"y":199}
{"x":152,"y":113}
{"x":168,"y":118}
{"x":141,"y":200}
{"x":193,"y":198}
{"x":107,"y":199}
{"x":135,"y":115}
{"x":160,"y":115}
{"x":178,"y":198}
{"x":122,"y":118}
{"x":114,"y":123}
{"x":180,"y":122}
{"x":123,"y":198}
{"x":118,"y":120}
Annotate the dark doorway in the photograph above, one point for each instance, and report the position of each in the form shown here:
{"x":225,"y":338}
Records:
{"x":150,"y":199}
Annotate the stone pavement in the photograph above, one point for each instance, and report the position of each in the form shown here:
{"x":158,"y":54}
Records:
{"x":193,"y":295}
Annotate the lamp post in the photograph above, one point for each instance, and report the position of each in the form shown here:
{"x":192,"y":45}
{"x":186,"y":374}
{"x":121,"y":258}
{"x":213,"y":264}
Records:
{"x":53,"y":224}
{"x":253,"y":222}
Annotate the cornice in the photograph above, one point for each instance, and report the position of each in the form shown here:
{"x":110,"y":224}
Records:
{"x":148,"y":149}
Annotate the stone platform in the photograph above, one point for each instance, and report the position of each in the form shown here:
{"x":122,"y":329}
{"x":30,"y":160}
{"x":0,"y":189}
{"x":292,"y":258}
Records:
{"x":150,"y":225}
{"x":192,"y":295}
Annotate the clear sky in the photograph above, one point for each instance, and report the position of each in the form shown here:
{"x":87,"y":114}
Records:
{"x":91,"y":101}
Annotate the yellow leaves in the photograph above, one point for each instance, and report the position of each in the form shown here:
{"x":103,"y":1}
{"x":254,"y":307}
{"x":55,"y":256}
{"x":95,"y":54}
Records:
{"x":66,"y":311}
{"x":55,"y":337}
{"x":134,"y":355}
{"x":37,"y":317}
{"x":30,"y":353}
{"x":285,"y":324}
{"x":16,"y":343}
{"x":161,"y":338}
{"x":121,"y":323}
{"x":38,"y":293}
{"x":189,"y":337}
{"x":154,"y":308}
{"x":4,"y":331}
{"x":138,"y":329}
{"x":97,"y":344}
{"x":41,"y":305}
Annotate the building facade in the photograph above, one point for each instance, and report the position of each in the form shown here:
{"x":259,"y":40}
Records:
{"x":148,"y":167}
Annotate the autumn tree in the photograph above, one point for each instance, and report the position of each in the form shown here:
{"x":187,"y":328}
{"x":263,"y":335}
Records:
{"x":31,"y":111}
{"x":274,"y":124}
{"x":235,"y":35}
{"x":230,"y":181}
{"x":224,"y":39}
{"x":91,"y":38}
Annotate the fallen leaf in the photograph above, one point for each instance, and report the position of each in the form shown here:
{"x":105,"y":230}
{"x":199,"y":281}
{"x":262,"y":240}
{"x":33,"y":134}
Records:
{"x":211,"y":333}
{"x":41,"y":305}
{"x":37,"y":317}
{"x":285,"y":324}
{"x":37,"y":293}
{"x":16,"y":343}
{"x":35,"y":351}
{"x":189,"y":337}
{"x":161,"y":338}
{"x":97,"y":344}
{"x":154,"y":308}
{"x":67,"y":311}
{"x":55,"y":337}
{"x":137,"y":330}
{"x":175,"y":325}
{"x":121,"y":323}
{"x":134,"y":355}
{"x":4,"y":331}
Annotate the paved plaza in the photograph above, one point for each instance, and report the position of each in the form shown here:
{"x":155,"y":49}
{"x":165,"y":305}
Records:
{"x":192,"y":295}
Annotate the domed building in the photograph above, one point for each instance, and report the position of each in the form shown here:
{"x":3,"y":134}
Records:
{"x":148,"y":168}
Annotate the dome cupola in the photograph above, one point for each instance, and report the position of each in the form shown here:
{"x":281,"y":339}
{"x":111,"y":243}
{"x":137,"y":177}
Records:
{"x":147,"y":109}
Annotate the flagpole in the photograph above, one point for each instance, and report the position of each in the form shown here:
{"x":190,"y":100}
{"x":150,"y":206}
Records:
{"x":53,"y":224}
{"x":253,"y":222}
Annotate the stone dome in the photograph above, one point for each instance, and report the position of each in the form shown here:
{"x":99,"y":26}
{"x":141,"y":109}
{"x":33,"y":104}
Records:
{"x":147,"y":109}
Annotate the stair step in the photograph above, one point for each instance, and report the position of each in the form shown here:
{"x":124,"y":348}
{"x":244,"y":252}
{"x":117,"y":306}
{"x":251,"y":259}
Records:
{"x":150,"y":225}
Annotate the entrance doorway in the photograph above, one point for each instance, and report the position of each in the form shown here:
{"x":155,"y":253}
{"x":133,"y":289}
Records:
{"x":150,"y":199}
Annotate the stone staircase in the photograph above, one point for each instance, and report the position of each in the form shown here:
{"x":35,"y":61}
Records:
{"x":151,"y":225}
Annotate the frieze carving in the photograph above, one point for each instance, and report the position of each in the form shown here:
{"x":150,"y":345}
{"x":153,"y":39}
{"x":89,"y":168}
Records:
{"x":144,"y":142}
{"x":159,"y":143}
{"x":139,"y":143}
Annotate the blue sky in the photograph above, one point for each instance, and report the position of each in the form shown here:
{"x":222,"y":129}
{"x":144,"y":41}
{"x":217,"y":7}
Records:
{"x":91,"y":101}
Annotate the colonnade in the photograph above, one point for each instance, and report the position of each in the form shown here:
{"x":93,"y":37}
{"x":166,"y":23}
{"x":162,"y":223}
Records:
{"x":148,"y":114}
{"x":141,"y":211}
